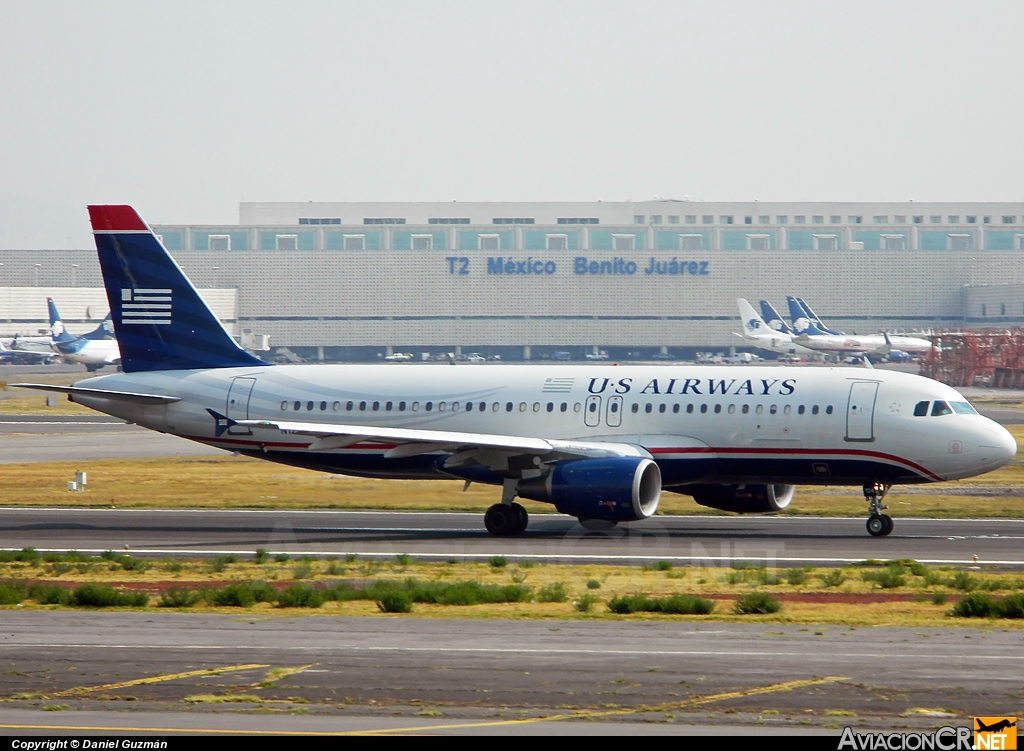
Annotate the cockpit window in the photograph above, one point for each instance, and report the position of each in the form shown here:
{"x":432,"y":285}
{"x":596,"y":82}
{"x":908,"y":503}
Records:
{"x":921,"y":409}
{"x":963,"y":408}
{"x":941,"y":408}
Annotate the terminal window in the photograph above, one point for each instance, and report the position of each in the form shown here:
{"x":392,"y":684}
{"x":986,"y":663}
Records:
{"x":782,"y":219}
{"x":953,"y":220}
{"x":826,"y":242}
{"x":334,"y":220}
{"x":1009,"y":220}
{"x":799,"y":220}
{"x":763,"y":219}
{"x":748,"y":220}
{"x":835,"y":219}
{"x":220,"y":242}
{"x":447,"y":220}
{"x":422,"y":242}
{"x":655,"y":218}
{"x":691,"y":219}
{"x":706,"y":219}
{"x":578,"y":220}
{"x":637,"y":219}
{"x":894,"y":242}
{"x":488,"y":242}
{"x":384,"y":220}
{"x":287,"y":242}
{"x":972,"y":220}
{"x":355,"y":242}
{"x":935,"y":219}
{"x":725,"y":220}
{"x":918,"y":219}
{"x":818,"y":219}
{"x":880,"y":219}
{"x":558,"y":242}
{"x":512,"y":220}
{"x":854,"y":220}
{"x":900,"y":219}
{"x":757,"y":242}
{"x":673,"y":219}
{"x":623,"y":242}
{"x":691,"y":242}
{"x":958,"y":242}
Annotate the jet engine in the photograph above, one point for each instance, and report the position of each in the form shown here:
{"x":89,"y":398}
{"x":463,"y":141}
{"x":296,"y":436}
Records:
{"x":743,"y":499}
{"x":621,"y":489}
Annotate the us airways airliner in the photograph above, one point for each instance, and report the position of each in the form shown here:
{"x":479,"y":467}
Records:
{"x":597,"y":442}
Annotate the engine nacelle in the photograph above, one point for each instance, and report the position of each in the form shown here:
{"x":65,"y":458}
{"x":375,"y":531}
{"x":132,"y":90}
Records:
{"x":743,"y":499}
{"x":622,"y":489}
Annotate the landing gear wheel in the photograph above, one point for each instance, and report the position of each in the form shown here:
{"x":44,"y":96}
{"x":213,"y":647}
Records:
{"x":522,"y":519}
{"x":877,"y":526}
{"x":501,"y":520}
{"x":596,"y":525}
{"x":888,"y":524}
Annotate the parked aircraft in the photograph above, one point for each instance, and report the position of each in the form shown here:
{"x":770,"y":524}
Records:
{"x":810,"y":334}
{"x":773,"y":319}
{"x":597,"y":442}
{"x":94,"y":350}
{"x":759,"y":334}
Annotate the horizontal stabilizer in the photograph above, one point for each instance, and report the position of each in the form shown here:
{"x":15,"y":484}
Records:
{"x":123,"y":396}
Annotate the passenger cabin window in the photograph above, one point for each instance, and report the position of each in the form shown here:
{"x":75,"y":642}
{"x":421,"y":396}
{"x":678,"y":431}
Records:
{"x":921,"y":409}
{"x":941,"y":408}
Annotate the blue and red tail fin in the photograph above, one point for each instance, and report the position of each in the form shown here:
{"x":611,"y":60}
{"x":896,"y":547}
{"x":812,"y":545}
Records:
{"x":160,"y":320}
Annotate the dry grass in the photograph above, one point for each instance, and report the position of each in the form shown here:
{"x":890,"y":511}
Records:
{"x":25,"y":402}
{"x":722,"y":584}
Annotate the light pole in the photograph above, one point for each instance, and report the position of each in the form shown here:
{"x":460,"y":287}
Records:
{"x":38,"y":266}
{"x":74,"y":272}
{"x":216,"y":285}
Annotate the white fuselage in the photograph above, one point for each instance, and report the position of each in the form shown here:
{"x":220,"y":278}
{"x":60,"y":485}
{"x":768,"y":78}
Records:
{"x":841,"y":344}
{"x":97,"y":352}
{"x":700,"y":423}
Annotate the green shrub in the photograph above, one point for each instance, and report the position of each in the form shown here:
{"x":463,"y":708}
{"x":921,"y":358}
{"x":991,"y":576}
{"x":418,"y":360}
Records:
{"x":173,"y":566}
{"x":963,"y":582}
{"x":976,"y":605}
{"x":262,"y":592}
{"x":281,"y":558}
{"x":12,"y":593}
{"x":756,"y":603}
{"x":889,"y":577}
{"x":526,"y":564}
{"x":302,"y":571}
{"x":931,"y":578}
{"x":105,"y":596}
{"x":764,"y":576}
{"x":939,"y":598}
{"x":50,"y":594}
{"x":300,"y":596}
{"x":396,"y":601}
{"x":796,"y":576}
{"x":593,"y":584}
{"x":554,"y":592}
{"x":231,"y":596}
{"x":334,"y":569}
{"x":178,"y":597}
{"x":585,"y":603}
{"x":673,"y":604}
{"x":734,"y":577}
{"x":261,"y":556}
{"x":834,"y":578}
{"x":403,"y":559}
{"x":498,"y":561}
{"x":1012,"y":606}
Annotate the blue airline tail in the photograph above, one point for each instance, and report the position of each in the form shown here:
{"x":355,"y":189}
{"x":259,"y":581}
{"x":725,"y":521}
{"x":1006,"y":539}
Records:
{"x":57,"y":332}
{"x":160,"y":321}
{"x":802,"y":323}
{"x":813,"y":317}
{"x":104,"y":331}
{"x":773,"y":319}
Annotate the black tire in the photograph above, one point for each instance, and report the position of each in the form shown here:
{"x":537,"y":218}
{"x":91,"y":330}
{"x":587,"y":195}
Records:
{"x":522,"y":519}
{"x":889,"y":524}
{"x":500,"y":520}
{"x":876,"y":526}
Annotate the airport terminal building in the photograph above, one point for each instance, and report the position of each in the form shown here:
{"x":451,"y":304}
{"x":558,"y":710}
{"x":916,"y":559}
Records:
{"x":525,"y":280}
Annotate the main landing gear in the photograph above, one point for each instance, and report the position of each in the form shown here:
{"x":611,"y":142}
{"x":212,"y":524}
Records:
{"x":506,"y":519}
{"x":879,"y":524}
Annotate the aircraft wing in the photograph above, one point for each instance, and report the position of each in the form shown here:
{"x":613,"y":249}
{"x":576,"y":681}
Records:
{"x":469,"y":448}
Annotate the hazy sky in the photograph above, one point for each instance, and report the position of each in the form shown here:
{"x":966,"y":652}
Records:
{"x":186,"y":108}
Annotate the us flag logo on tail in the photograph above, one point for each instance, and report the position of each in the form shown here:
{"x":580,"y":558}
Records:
{"x":146,"y":306}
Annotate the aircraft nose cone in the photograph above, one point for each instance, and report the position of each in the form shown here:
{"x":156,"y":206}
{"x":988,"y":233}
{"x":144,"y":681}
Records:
{"x":1000,"y":444}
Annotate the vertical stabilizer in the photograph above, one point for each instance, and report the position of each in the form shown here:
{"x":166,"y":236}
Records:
{"x":160,"y":320}
{"x":813,"y":318}
{"x":57,"y":331}
{"x":773,"y":319}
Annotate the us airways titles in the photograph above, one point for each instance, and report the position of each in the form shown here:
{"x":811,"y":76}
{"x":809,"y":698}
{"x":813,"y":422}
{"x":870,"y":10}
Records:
{"x":582,"y":266}
{"x":699,"y":386}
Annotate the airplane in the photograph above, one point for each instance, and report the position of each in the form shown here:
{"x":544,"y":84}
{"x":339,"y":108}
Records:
{"x":94,"y":350}
{"x":811,"y":334}
{"x":813,"y":317}
{"x":13,"y":356}
{"x":598,"y":442}
{"x":760,"y":334}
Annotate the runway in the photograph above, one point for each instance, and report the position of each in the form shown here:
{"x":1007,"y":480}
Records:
{"x":493,"y":676}
{"x":714,"y":541}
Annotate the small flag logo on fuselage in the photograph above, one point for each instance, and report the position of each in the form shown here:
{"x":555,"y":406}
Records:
{"x":145,"y":306}
{"x":557,"y":385}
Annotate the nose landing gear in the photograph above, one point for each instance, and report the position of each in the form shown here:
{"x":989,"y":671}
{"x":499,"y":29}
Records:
{"x":879,"y":524}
